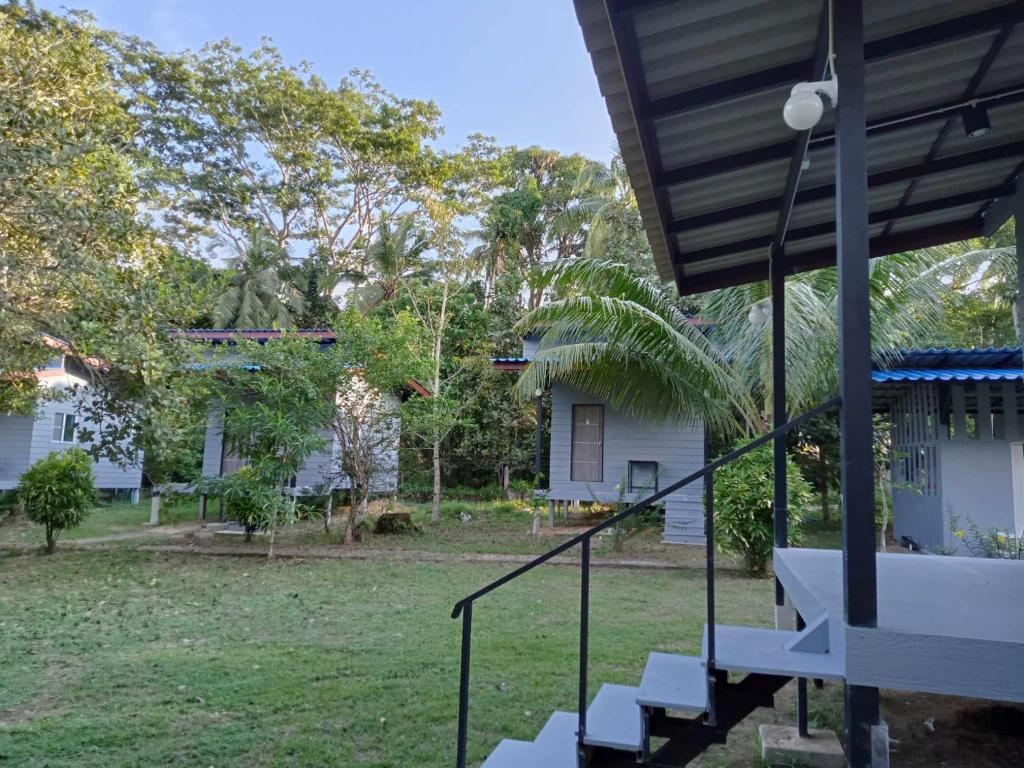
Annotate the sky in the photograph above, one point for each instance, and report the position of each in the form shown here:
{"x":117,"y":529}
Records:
{"x":517,"y":71}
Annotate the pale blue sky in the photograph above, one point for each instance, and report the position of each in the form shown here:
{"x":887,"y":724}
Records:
{"x":515,"y":70}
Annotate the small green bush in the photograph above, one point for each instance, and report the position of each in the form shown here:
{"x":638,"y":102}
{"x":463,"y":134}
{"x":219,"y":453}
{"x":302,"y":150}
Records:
{"x":57,"y":492}
{"x":744,"y":499}
{"x":249,"y":501}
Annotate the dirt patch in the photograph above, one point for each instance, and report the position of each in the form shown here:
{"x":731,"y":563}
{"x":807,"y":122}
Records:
{"x":49,"y":701}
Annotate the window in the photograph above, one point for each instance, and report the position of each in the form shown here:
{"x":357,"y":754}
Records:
{"x":643,"y":476}
{"x":587,"y":462}
{"x":63,"y":428}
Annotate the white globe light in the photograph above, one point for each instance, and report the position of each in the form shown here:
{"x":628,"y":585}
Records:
{"x":803,"y":110}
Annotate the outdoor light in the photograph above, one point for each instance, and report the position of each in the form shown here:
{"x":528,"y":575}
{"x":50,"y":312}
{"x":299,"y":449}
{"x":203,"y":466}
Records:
{"x":804,"y":106}
{"x":976,"y":123}
{"x":538,"y":392}
{"x":758,"y":313}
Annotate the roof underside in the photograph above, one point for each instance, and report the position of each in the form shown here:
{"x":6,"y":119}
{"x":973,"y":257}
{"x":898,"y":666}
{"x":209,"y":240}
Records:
{"x":695,"y":93}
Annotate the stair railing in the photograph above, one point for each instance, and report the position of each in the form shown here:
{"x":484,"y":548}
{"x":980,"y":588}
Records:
{"x":464,"y":607}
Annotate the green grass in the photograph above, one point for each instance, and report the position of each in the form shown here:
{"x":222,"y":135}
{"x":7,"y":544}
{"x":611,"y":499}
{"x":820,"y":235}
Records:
{"x":122,"y":659}
{"x":104,"y":520}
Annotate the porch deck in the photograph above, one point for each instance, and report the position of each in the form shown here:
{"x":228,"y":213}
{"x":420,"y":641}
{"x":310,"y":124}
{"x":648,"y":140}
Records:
{"x":948,"y":625}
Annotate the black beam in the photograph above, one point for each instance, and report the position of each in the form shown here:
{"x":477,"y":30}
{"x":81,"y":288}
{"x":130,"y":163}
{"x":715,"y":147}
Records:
{"x":892,"y":176}
{"x":1012,"y":94}
{"x":827,"y":227}
{"x":624,"y":37}
{"x":803,"y":138}
{"x":913,"y":240}
{"x":860,"y":588}
{"x":777,"y":283}
{"x":903,"y":43}
{"x":972,"y":88}
{"x":998,"y":211}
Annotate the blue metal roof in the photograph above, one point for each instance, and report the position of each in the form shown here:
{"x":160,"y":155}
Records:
{"x":947,"y":374}
{"x":510,"y":359}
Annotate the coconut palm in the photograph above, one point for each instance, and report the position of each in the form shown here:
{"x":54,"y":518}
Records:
{"x":394,"y":255}
{"x":907,"y":310}
{"x":622,"y":338}
{"x":263,"y":287}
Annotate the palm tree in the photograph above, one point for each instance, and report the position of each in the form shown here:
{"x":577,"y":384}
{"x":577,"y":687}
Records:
{"x":395,"y":255}
{"x":907,"y":310}
{"x":263,"y":288}
{"x":622,"y":338}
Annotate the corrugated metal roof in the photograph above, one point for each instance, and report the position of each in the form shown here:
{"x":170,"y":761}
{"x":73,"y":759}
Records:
{"x":947,"y":374}
{"x":959,"y":357}
{"x":701,"y":131}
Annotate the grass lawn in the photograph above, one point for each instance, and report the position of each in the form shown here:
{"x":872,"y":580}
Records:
{"x":120,"y":658}
{"x":104,"y":520}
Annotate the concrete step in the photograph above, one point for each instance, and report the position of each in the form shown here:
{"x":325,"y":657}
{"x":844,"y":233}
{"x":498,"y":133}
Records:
{"x":674,"y":682}
{"x":613,"y":719}
{"x":510,"y":754}
{"x":765,"y":651}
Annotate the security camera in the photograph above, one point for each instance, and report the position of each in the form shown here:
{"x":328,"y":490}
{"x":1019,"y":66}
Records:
{"x":804,"y":106}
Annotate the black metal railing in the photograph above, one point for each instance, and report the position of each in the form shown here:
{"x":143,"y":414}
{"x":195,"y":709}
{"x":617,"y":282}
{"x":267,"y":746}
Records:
{"x":464,"y":607}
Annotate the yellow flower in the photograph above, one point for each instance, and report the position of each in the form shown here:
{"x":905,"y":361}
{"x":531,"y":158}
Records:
{"x":959,"y":534}
{"x":1001,"y":538}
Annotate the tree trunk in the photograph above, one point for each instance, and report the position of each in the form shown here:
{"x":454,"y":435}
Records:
{"x":270,"y":550}
{"x":435,"y":507}
{"x":506,"y":476}
{"x":154,"y":506}
{"x":51,"y":540}
{"x":328,"y":510}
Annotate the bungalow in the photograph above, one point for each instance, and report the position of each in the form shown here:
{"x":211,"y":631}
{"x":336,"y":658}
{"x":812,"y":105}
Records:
{"x":600,"y":453}
{"x":957,"y":442}
{"x":319,"y":472}
{"x":58,"y":424}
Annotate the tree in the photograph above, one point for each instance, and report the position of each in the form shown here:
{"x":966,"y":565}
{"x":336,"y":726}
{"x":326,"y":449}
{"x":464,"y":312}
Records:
{"x":57,"y":492}
{"x":376,"y":361}
{"x":277,"y":403}
{"x":906,"y":292}
{"x":393,"y":257}
{"x":79,"y":261}
{"x":529,"y":224}
{"x":263,"y":289}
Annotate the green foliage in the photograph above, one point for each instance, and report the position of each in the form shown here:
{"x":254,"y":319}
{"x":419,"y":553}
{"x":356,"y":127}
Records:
{"x":622,"y":338}
{"x":57,"y":492}
{"x":989,"y":543}
{"x":250,"y":500}
{"x":744,"y":494}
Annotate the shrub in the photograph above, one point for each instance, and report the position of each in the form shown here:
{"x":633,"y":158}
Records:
{"x":744,"y":498}
{"x":57,"y":492}
{"x":250,"y":501}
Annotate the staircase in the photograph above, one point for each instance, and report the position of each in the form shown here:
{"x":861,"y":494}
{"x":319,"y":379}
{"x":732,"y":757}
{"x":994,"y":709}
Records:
{"x":683,"y":704}
{"x":672,"y":701}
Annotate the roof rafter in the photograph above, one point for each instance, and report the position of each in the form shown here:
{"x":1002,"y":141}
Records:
{"x":827,"y":227}
{"x":879,"y":178}
{"x":1012,"y":94}
{"x":902,"y":43}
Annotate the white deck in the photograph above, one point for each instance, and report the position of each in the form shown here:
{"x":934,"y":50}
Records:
{"x":945,"y":624}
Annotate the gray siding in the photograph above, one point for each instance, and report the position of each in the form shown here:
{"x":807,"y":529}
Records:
{"x":24,"y":441}
{"x":679,"y":451}
{"x":212,"y":442}
{"x":15,"y":445}
{"x":977,"y":484}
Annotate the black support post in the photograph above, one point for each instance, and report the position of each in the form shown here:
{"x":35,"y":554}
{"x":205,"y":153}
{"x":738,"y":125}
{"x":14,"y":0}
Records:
{"x":777,"y":281}
{"x":1018,"y":223}
{"x":859,"y":568}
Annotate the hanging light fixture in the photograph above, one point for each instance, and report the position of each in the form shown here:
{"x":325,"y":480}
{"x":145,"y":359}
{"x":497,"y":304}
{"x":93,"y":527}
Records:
{"x":758,"y":313}
{"x":804,"y":107}
{"x":976,"y":122}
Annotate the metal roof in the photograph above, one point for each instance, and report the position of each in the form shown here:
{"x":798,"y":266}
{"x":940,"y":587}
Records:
{"x":695,"y":94}
{"x":978,"y":357}
{"x":947,"y":374}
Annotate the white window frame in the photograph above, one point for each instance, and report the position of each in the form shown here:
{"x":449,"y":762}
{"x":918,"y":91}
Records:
{"x":62,"y":423}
